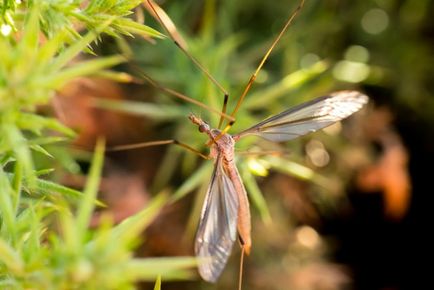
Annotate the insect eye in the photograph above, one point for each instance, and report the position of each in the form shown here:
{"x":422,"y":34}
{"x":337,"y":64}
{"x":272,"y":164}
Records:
{"x":202,"y":128}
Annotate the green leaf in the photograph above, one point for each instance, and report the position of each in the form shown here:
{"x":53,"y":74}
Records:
{"x":49,"y":187}
{"x":298,"y":170}
{"x":87,"y":204}
{"x":42,"y":172}
{"x":128,"y":25}
{"x":18,"y":144}
{"x":56,"y":125}
{"x":17,"y":182}
{"x":46,"y":140}
{"x":81,"y":69}
{"x":40,"y":149}
{"x":50,"y":48}
{"x":153,"y":111}
{"x":6,"y":207}
{"x":36,"y":124}
{"x":120,"y":77}
{"x":29,"y":43}
{"x":158,"y":283}
{"x":72,"y":51}
{"x":6,"y":158}
{"x":170,"y":268}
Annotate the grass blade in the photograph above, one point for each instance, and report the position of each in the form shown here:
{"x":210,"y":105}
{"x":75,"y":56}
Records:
{"x":91,"y":189}
{"x":158,"y":283}
{"x":172,"y":268}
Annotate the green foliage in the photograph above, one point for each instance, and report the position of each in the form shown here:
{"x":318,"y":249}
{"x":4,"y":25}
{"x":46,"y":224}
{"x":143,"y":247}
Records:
{"x":61,"y":15}
{"x":45,"y":236}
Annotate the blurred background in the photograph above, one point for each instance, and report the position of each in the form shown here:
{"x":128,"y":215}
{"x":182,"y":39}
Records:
{"x":343,"y":208}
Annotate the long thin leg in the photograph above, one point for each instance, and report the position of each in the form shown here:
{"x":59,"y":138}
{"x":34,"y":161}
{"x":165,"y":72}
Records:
{"x":240,"y":278}
{"x":223,"y":112}
{"x":255,"y":74}
{"x":181,"y":96}
{"x":193,"y":59}
{"x":158,"y":13}
{"x":156,"y":143}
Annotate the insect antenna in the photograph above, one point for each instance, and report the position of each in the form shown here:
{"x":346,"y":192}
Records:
{"x":156,"y":143}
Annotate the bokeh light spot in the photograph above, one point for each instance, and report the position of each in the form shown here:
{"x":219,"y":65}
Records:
{"x":257,"y":167}
{"x":308,"y":237}
{"x":375,"y":21}
{"x":5,"y":29}
{"x":357,"y":53}
{"x":308,"y":60}
{"x":350,"y":71}
{"x":317,"y":153}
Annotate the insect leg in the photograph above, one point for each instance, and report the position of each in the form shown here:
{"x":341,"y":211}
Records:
{"x":223,"y":112}
{"x":154,"y":7}
{"x":157,"y":143}
{"x":240,"y":278}
{"x":255,"y":74}
{"x":181,"y":96}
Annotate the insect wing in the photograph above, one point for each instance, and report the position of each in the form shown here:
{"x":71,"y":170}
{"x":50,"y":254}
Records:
{"x":218,"y":224}
{"x":308,"y":117}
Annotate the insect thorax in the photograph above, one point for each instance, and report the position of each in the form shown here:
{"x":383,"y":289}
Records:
{"x":225,"y":145}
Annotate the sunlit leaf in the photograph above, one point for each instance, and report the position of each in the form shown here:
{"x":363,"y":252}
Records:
{"x":169,"y":268}
{"x":153,"y":111}
{"x":158,"y":283}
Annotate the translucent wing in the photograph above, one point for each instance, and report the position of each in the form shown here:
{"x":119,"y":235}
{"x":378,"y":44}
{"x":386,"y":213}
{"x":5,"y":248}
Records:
{"x":218,"y":224}
{"x":308,"y":117}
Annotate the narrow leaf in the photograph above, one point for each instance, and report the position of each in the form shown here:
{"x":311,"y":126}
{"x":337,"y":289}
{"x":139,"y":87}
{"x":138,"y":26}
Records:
{"x":48,"y":187}
{"x":91,"y":189}
{"x":172,"y":268}
{"x":40,"y":149}
{"x":68,"y":54}
{"x":298,"y":170}
{"x":80,"y":69}
{"x":36,"y":124}
{"x":120,"y":77}
{"x":6,"y":207}
{"x":158,"y":283}
{"x":153,"y":111}
{"x":131,"y":26}
{"x":18,"y":143}
{"x":17,"y":182}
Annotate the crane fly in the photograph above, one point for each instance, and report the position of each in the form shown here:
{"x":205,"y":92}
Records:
{"x":225,"y":211}
{"x":225,"y":214}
